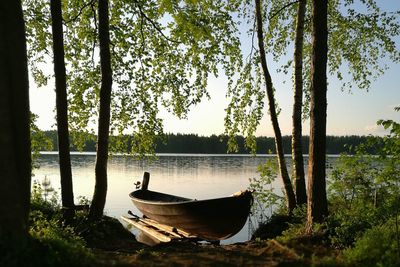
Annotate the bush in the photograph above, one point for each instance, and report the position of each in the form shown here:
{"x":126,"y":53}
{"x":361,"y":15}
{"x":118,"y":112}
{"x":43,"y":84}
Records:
{"x":62,"y":245}
{"x":266,"y":199}
{"x":378,"y":246}
{"x":364,"y":190}
{"x":282,"y":226}
{"x":364,"y":195}
{"x":272,"y":228}
{"x":50,"y":242}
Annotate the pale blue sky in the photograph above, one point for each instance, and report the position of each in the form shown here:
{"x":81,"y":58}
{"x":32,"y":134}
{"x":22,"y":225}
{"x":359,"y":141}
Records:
{"x":348,"y":114}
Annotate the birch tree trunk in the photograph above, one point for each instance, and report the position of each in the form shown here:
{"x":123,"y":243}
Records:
{"x":100,"y":191}
{"x":290,"y":197}
{"x":67,"y":194}
{"x":297,"y":151}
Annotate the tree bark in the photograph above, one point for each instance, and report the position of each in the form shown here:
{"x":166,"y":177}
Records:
{"x":297,"y":151}
{"x":317,"y":200}
{"x":100,"y":191}
{"x":15,"y":158}
{"x":290,"y":196}
{"x":67,"y":195}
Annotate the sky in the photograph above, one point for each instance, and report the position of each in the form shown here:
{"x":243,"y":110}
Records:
{"x":354,"y":113}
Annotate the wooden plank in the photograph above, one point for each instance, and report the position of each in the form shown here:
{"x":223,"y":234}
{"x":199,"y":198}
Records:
{"x":171,"y":230}
{"x":141,"y":226}
{"x":168,"y":229}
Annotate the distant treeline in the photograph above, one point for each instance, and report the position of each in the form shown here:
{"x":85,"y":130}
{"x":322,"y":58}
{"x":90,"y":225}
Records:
{"x":193,"y":143}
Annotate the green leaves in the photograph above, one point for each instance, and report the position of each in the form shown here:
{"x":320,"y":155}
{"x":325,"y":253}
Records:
{"x":364,"y":189}
{"x":264,"y":193}
{"x":39,"y":141}
{"x":378,"y":246}
{"x":38,"y":36}
{"x":361,"y":40}
{"x":245,"y":109}
{"x":162,"y":55}
{"x":360,"y":36}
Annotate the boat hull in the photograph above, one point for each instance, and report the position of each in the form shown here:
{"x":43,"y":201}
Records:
{"x":212,"y":219}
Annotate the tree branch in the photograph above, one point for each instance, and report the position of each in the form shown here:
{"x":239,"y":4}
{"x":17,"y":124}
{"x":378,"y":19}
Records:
{"x":153,"y":23}
{"x":252,"y":42}
{"x":282,"y":8}
{"x":90,"y":3}
{"x":142,"y":35}
{"x":95,"y":31}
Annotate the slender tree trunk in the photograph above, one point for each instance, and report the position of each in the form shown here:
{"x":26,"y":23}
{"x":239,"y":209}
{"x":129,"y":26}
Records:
{"x":297,"y":151}
{"x":15,"y":158}
{"x":100,"y":191}
{"x":290,"y":197}
{"x":67,"y":195}
{"x":317,"y":202}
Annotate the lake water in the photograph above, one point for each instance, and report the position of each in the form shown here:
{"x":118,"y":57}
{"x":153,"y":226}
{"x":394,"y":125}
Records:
{"x":196,"y":176}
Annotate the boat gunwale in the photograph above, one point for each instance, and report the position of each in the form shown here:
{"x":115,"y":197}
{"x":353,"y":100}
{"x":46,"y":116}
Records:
{"x":189,"y":200}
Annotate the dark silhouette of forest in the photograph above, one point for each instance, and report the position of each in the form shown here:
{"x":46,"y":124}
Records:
{"x":193,"y":143}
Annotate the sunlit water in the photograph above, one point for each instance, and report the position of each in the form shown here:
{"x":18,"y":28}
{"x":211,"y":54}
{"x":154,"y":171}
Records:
{"x":196,"y":176}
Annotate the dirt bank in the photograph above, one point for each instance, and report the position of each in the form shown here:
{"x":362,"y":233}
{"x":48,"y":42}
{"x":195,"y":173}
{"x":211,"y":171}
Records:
{"x":263,"y":253}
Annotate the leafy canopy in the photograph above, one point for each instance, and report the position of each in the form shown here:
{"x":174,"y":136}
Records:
{"x":361,"y":41}
{"x":162,"y":55}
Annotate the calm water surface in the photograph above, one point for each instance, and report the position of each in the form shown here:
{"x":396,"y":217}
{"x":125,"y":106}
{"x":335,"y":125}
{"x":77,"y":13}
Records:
{"x":196,"y":176}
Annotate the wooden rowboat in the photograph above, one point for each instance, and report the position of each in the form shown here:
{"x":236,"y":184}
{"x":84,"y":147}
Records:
{"x":211,"y":219}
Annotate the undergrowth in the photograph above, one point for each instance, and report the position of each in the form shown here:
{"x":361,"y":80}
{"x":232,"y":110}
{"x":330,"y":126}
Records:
{"x":364,"y":203}
{"x":52,"y":243}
